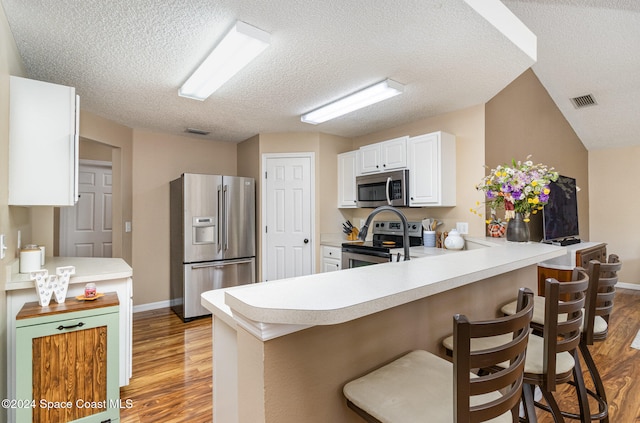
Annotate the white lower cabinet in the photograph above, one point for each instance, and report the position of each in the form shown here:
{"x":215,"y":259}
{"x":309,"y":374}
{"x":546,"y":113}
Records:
{"x":432,"y":170}
{"x":331,"y":258}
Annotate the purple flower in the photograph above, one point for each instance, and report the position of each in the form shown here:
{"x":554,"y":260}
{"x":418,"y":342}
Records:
{"x":517,"y":195}
{"x":506,"y":188}
{"x":543,"y":197}
{"x":491,"y":194}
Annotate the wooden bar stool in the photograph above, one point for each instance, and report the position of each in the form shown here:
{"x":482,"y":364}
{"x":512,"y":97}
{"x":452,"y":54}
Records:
{"x":552,"y":358}
{"x":422,"y":387}
{"x":598,"y":308}
{"x":596,"y":325}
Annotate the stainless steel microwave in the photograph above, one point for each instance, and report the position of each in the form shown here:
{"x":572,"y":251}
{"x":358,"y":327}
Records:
{"x":379,"y":189}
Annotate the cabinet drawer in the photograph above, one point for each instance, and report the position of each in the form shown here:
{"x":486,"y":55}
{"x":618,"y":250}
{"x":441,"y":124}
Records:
{"x":331,"y":252}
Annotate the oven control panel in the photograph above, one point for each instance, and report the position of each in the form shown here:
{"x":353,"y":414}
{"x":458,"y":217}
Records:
{"x":394,"y":227}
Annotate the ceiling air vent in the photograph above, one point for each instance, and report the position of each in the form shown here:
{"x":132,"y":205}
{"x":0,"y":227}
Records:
{"x":197,"y":131}
{"x":583,"y":101}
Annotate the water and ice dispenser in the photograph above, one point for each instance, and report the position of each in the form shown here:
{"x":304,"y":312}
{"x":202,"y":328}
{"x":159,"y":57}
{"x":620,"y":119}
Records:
{"x":204,"y":230}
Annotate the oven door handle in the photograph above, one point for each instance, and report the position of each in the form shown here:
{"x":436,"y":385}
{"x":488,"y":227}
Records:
{"x":388,"y":197}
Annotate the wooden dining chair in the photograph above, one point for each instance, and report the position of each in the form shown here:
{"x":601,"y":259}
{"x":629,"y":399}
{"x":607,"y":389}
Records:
{"x":423,"y":387}
{"x":552,"y":357}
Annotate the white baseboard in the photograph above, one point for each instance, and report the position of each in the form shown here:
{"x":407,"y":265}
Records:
{"x":151,"y":306}
{"x":633,"y":286}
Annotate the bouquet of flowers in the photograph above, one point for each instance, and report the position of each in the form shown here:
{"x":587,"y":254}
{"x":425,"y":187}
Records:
{"x":522,"y":187}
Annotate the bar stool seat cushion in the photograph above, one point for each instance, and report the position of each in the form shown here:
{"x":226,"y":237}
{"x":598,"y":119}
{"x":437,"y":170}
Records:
{"x":599,"y":325}
{"x":535,"y":352}
{"x":417,"y":387}
{"x":538,"y":310}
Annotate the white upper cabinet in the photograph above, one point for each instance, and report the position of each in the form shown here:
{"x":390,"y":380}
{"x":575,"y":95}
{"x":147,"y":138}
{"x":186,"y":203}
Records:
{"x":347,"y":179}
{"x":383,"y":156}
{"x":43,"y":143}
{"x":432,"y":170}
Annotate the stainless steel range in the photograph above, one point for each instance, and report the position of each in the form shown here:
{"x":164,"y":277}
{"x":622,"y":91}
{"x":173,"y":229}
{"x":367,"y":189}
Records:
{"x":386,"y":245}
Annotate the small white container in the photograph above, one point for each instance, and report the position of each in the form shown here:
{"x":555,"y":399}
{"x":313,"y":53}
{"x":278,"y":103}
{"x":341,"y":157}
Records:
{"x":429,"y":238}
{"x":454,"y":240}
{"x":30,"y":259}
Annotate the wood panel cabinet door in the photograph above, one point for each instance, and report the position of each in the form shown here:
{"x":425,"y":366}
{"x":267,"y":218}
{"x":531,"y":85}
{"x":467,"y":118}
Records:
{"x":68,"y":367}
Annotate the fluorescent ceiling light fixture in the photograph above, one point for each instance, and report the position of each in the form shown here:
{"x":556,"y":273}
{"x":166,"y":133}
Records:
{"x":241,"y":45}
{"x":363,"y":98}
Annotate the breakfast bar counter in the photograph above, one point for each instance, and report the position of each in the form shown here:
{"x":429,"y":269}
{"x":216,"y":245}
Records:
{"x":286,"y":348}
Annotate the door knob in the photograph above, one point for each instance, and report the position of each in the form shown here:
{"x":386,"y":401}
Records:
{"x":306,"y":241}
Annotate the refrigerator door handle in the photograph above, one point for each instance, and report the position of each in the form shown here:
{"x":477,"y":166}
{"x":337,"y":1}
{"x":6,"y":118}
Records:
{"x":226,"y":217}
{"x":221,"y":263}
{"x":219,"y":240}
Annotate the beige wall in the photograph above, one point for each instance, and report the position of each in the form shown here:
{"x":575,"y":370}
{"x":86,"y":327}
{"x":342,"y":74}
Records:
{"x":160,"y":158}
{"x":613,"y":207}
{"x":468,"y":127}
{"x":330,"y":217}
{"x":92,"y":150}
{"x":11,"y":218}
{"x":522,"y":120}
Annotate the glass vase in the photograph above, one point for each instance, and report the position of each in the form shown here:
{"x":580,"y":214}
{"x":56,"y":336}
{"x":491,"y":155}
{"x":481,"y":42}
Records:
{"x":518,"y":229}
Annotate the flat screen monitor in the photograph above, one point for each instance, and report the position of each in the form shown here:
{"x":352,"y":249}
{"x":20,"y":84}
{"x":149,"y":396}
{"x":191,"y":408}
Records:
{"x":560,"y":214}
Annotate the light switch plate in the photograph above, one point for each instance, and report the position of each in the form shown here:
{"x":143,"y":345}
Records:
{"x":127,"y":226}
{"x":462,"y":227}
{"x":3,"y":246}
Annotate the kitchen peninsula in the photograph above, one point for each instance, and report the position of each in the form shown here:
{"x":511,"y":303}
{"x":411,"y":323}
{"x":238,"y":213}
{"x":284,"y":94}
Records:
{"x":282,"y":350}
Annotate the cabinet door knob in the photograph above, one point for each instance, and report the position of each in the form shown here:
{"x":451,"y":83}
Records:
{"x":306,"y":241}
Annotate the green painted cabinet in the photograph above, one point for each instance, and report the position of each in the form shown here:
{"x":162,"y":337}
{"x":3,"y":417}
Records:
{"x":67,"y":361}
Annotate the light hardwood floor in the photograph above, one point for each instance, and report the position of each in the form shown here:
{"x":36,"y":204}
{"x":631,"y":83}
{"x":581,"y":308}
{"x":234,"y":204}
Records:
{"x":172,"y":367}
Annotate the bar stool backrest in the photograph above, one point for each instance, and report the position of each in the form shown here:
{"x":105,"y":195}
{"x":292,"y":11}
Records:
{"x":601,"y":296}
{"x":508,"y":380}
{"x":562,"y":335}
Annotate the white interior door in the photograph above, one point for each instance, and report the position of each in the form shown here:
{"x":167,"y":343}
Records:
{"x":288,"y":249}
{"x":85,"y":229}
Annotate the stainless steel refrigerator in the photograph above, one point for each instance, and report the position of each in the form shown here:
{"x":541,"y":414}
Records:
{"x":212,"y":238}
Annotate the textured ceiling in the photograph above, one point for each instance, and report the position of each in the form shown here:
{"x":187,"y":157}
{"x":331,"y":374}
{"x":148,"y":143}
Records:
{"x":128,"y":58}
{"x":589,"y":47}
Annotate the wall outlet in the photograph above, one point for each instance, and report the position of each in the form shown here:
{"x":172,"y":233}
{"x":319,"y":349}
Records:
{"x":462,"y":227}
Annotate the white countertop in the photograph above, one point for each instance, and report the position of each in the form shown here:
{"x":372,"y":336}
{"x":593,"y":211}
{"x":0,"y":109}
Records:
{"x":88,"y":269}
{"x":338,"y":297}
